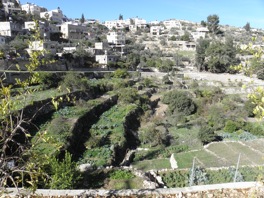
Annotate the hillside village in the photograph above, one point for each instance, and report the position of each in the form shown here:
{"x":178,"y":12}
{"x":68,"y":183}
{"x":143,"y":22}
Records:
{"x":106,"y":42}
{"x":129,"y":104}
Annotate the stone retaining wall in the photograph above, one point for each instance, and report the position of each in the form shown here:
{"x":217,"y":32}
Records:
{"x":241,"y":190}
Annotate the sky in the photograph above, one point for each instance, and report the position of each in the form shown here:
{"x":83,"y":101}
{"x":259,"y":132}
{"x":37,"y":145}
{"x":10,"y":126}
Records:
{"x":231,"y":12}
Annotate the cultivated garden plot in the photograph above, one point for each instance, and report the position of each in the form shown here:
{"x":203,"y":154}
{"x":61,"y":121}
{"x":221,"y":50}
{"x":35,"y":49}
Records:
{"x":257,"y":145}
{"x":61,"y":131}
{"x":155,"y":164}
{"x":108,"y":137}
{"x":222,"y":154}
{"x":202,"y":158}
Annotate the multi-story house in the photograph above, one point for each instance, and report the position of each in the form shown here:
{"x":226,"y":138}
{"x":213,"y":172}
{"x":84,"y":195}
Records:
{"x":200,"y":33}
{"x":117,"y":24}
{"x":10,"y":28}
{"x":140,"y":23}
{"x":53,"y":15}
{"x":105,"y":59}
{"x":73,"y":31}
{"x":33,"y":9}
{"x":44,"y":28}
{"x":172,"y":23}
{"x":132,"y":23}
{"x":155,"y":30}
{"x":11,"y":6}
{"x":154,"y":22}
{"x":116,"y":38}
{"x":184,"y":45}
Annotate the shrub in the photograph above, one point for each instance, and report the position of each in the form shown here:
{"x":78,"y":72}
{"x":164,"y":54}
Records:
{"x":216,"y":116}
{"x":120,"y":73}
{"x":121,"y":174}
{"x":249,"y":107}
{"x":230,"y":126}
{"x":49,"y":80}
{"x":166,"y":80}
{"x":206,"y":134}
{"x":179,"y":101}
{"x":177,"y":178}
{"x":128,"y":96}
{"x":255,"y":129}
{"x":199,"y":176}
{"x":64,"y":174}
{"x":73,"y":82}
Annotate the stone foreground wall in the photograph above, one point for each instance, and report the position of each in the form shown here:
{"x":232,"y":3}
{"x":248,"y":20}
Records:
{"x":240,"y":189}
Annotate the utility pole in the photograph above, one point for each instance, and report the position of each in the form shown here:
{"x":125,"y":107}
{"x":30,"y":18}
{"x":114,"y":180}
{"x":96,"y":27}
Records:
{"x":237,"y":167}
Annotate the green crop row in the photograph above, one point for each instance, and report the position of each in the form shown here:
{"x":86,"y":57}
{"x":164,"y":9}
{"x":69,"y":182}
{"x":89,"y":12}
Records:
{"x":107,"y":134}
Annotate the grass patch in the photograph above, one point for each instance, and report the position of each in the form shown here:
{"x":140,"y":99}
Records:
{"x":119,"y":184}
{"x":156,"y":164}
{"x":185,"y":136}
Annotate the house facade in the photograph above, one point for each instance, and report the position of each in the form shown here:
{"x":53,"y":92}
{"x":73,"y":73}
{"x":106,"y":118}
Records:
{"x":73,"y":31}
{"x":172,"y":24}
{"x":53,"y":15}
{"x":11,"y":6}
{"x":44,"y":28}
{"x":105,"y":59}
{"x":155,"y":30}
{"x":9,"y":28}
{"x":33,"y":9}
{"x":116,"y":38}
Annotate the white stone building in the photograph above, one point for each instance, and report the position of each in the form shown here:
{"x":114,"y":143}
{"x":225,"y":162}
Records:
{"x":73,"y":31}
{"x":172,"y":24}
{"x":117,"y":24}
{"x":140,"y":23}
{"x":44,"y":28}
{"x":105,"y":59}
{"x":11,"y":6}
{"x":198,"y":35}
{"x":53,"y":15}
{"x":183,"y":45}
{"x":155,"y":30}
{"x":9,"y":28}
{"x":116,"y":38}
{"x":31,"y":8}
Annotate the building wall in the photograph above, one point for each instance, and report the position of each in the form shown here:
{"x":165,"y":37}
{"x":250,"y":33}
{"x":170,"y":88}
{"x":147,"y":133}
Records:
{"x":71,"y":31}
{"x":172,"y":24}
{"x":33,"y":9}
{"x":155,"y":30}
{"x":116,"y":38}
{"x":53,"y":15}
{"x":9,"y":28}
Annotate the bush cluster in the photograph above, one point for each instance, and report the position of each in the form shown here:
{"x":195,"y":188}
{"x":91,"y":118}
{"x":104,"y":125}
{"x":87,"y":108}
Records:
{"x":179,"y":101}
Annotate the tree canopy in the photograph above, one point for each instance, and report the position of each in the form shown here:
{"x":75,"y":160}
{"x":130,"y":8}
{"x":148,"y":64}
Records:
{"x":213,"y":23}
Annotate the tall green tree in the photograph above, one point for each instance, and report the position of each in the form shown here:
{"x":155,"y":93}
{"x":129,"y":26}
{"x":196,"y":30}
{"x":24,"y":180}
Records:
{"x":186,"y":36}
{"x":120,"y":17}
{"x":220,"y":56}
{"x":203,"y":23}
{"x":200,"y":55}
{"x":247,"y":27}
{"x":213,"y":23}
{"x":82,"y":19}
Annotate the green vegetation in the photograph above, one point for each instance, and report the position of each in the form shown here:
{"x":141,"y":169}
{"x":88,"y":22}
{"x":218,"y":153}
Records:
{"x":179,"y":102}
{"x":107,"y":135}
{"x":196,"y":120}
{"x":180,"y":178}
